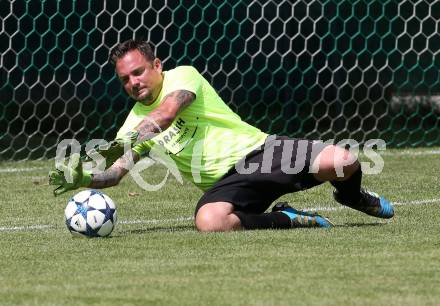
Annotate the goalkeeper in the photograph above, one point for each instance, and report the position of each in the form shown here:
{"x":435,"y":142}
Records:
{"x":241,"y":169}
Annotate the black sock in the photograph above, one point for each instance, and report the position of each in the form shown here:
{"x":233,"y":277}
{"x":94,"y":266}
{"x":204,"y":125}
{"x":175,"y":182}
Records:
{"x":274,"y":220}
{"x":349,"y":190}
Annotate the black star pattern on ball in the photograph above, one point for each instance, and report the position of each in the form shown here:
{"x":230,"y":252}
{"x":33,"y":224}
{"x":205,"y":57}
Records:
{"x":108,"y":212}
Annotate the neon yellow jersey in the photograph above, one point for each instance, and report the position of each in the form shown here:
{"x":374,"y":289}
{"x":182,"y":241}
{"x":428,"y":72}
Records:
{"x":207,"y":138}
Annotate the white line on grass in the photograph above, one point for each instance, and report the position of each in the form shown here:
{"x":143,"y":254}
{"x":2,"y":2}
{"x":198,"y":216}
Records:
{"x":28,"y":228}
{"x":12,"y":170}
{"x":25,"y":228}
{"x":409,"y":153}
{"x":155,"y":221}
{"x":415,"y":202}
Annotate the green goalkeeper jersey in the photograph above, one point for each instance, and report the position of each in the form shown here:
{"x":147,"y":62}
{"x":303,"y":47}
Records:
{"x":206,"y":139}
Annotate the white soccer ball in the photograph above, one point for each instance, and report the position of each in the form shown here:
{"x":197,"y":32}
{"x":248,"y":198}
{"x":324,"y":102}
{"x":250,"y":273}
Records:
{"x":90,"y":213}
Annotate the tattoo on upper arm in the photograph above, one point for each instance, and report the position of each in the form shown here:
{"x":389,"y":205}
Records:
{"x":159,"y":120}
{"x":185,"y":97}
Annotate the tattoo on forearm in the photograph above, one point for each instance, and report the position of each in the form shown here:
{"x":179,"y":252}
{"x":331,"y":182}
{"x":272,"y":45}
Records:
{"x":108,"y":178}
{"x":127,"y":160}
{"x":113,"y":175}
{"x":157,"y":121}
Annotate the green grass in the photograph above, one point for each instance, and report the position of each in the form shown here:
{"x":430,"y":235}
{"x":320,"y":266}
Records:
{"x":163,"y":260}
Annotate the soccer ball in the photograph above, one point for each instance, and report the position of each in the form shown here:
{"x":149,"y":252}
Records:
{"x":90,"y":213}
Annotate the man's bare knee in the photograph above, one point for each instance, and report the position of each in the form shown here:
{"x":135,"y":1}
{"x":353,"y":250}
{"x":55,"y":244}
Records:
{"x":206,"y":220}
{"x":217,"y":217}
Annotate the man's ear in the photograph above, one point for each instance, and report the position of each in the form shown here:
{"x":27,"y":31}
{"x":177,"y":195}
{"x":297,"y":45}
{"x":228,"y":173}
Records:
{"x":157,"y":64}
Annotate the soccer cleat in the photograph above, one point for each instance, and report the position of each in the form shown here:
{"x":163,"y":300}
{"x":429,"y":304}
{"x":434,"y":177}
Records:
{"x":302,"y":218}
{"x":370,"y":203}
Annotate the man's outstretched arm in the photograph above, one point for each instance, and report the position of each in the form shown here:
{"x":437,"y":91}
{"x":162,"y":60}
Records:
{"x":72,"y":176}
{"x":157,"y":121}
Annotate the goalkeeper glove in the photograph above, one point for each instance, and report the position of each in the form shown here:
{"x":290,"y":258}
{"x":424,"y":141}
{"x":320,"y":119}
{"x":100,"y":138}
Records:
{"x":69,"y":177}
{"x":113,"y":150}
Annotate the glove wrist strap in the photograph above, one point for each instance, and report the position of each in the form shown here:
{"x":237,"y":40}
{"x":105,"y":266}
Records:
{"x":86,"y":179}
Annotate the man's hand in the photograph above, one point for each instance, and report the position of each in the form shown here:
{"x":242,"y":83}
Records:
{"x":69,"y":177}
{"x":113,"y":150}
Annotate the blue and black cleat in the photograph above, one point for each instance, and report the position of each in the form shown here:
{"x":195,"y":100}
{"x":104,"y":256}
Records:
{"x":302,"y":218}
{"x":370,"y":203}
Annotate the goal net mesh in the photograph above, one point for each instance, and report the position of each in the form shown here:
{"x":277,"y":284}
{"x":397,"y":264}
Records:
{"x":316,"y":69}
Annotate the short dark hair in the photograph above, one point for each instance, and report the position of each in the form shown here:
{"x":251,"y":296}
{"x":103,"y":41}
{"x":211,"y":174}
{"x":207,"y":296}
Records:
{"x":122,"y":48}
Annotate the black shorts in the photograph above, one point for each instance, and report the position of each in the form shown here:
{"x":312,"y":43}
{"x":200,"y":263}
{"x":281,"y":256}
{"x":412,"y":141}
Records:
{"x":275,"y":174}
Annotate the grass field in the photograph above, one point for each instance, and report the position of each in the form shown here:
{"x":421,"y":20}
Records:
{"x":156,"y":257}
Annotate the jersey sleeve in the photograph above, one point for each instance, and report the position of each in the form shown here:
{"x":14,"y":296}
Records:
{"x":184,"y":78}
{"x":128,"y":126}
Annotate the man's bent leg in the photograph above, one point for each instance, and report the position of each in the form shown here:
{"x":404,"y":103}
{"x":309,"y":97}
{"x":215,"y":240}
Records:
{"x":220,"y":217}
{"x":347,"y":179}
{"x":348,"y":185}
